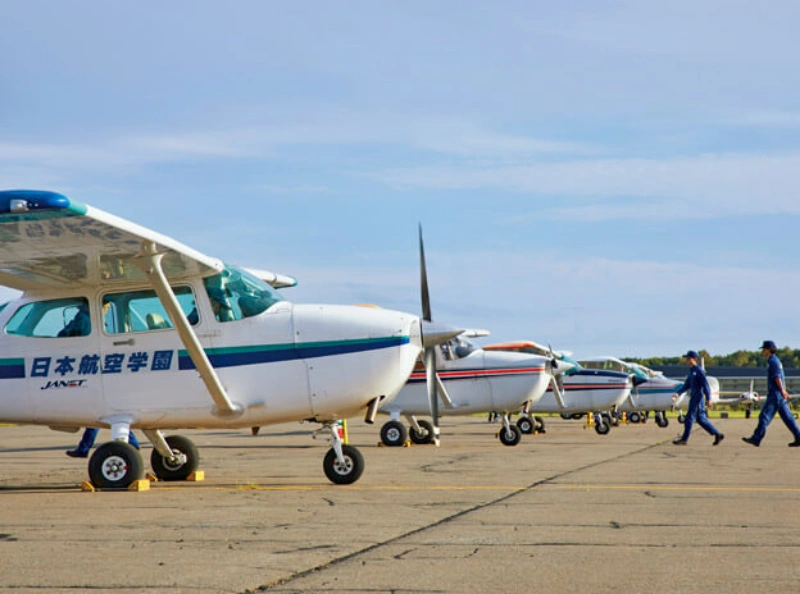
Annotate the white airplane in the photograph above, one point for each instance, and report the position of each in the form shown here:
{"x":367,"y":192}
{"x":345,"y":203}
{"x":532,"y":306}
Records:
{"x":651,"y":390}
{"x":470,"y":380}
{"x":121,"y":327}
{"x":575,"y":391}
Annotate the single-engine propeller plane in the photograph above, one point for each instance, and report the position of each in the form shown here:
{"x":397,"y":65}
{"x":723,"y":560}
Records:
{"x":469,"y":380}
{"x":652,"y":391}
{"x":575,"y":390}
{"x":119,"y":326}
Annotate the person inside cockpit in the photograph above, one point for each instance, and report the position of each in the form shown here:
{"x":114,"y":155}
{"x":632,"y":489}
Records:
{"x":80,"y":324}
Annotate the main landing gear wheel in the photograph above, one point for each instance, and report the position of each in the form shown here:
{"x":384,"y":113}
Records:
{"x":661,"y":419}
{"x":634,"y":417}
{"x":681,"y":417}
{"x":115,"y":465}
{"x":425,"y":436}
{"x":347,"y":473}
{"x":176,"y":469}
{"x":538,"y":425}
{"x":393,"y":433}
{"x":510,"y":436}
{"x":525,"y":425}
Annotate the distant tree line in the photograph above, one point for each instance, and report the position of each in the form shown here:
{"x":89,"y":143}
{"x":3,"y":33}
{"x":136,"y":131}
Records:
{"x":789,"y":357}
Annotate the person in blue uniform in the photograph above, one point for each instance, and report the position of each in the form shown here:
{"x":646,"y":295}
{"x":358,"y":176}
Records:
{"x":777,"y":399}
{"x":699,"y":396}
{"x":87,"y":441}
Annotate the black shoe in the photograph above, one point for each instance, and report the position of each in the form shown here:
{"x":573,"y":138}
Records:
{"x":77,"y":454}
{"x":718,"y":438}
{"x":795,"y":443}
{"x":679,"y":441}
{"x":751,"y":441}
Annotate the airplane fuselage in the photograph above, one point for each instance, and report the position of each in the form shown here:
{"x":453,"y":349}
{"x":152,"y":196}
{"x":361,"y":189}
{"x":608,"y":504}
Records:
{"x":483,"y":381}
{"x":290,"y":362}
{"x":587,"y":390}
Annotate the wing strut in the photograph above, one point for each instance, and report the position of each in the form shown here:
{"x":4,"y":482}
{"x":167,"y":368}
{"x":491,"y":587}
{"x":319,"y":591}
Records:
{"x":150,"y":263}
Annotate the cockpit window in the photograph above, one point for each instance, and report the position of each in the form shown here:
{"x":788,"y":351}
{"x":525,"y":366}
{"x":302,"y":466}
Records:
{"x":54,"y":318}
{"x":236,"y":294}
{"x":461,"y":347}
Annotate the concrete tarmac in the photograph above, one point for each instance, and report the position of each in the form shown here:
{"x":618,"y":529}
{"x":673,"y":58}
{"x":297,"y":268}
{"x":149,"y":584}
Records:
{"x":567,"y":511}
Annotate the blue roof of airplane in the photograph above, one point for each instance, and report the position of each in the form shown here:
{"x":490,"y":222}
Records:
{"x":24,"y":202}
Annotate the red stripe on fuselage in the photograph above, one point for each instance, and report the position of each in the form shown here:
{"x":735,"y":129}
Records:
{"x":475,"y":373}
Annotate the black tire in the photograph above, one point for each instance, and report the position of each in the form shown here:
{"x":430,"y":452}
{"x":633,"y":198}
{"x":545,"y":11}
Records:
{"x":425,"y":436}
{"x":577,"y":416}
{"x":681,"y":417}
{"x":613,"y":418}
{"x":347,"y":474}
{"x":115,"y":465}
{"x":166,"y":470}
{"x":393,"y":434}
{"x":661,"y":419}
{"x":525,"y":425}
{"x":634,"y":417}
{"x":566,"y":416}
{"x":511,"y":436}
{"x":601,"y":425}
{"x":538,"y":423}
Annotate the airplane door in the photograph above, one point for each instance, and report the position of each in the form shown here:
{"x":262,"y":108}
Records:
{"x":468,"y":387}
{"x":140,"y":357}
{"x":58,"y":341}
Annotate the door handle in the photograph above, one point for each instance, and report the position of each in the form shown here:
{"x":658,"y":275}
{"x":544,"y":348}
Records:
{"x":130,"y":341}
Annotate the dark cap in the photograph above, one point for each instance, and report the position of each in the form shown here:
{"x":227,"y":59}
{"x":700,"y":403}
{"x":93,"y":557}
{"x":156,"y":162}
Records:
{"x":691,"y":355}
{"x":768,"y":344}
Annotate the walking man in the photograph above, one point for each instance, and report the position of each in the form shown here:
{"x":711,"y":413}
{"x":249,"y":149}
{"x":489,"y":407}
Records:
{"x":777,"y":399}
{"x":699,"y":396}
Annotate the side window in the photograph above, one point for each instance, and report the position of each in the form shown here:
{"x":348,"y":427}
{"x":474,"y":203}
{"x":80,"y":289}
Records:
{"x":56,"y":318}
{"x":141,"y":311}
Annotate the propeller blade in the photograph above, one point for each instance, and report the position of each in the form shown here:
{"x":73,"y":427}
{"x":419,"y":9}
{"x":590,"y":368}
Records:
{"x":557,"y":392}
{"x":423,"y":281}
{"x":448,"y":402}
{"x":433,"y":400}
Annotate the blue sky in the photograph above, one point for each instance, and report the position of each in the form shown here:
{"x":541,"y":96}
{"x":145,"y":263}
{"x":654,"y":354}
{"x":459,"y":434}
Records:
{"x":609,"y":177}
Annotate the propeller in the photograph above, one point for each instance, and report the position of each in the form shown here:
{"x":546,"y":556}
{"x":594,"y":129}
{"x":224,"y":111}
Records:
{"x":554,"y":373}
{"x":433,"y":334}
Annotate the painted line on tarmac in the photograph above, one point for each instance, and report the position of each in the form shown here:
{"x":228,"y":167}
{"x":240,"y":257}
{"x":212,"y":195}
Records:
{"x":649,"y":487}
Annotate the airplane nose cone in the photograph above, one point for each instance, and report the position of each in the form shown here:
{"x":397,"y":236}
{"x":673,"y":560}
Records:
{"x":556,"y":367}
{"x":434,"y":333}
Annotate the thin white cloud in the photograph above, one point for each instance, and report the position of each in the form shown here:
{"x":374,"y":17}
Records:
{"x":703,"y":186}
{"x":590,"y":306}
{"x":765,"y":119}
{"x":302,"y":189}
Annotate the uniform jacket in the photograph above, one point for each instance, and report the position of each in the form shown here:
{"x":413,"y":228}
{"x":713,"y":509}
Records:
{"x":697,"y":385}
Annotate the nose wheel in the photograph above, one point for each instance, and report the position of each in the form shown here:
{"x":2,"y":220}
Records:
{"x":345,"y":471}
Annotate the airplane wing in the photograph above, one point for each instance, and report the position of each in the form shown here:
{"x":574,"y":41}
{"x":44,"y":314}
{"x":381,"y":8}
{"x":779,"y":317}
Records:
{"x":277,"y":281}
{"x":50,"y":241}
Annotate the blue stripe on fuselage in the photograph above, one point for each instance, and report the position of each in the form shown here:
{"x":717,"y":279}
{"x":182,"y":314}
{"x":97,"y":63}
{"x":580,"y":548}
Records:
{"x":233,"y":357}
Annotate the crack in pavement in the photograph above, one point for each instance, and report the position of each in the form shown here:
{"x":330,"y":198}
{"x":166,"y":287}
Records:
{"x":442,"y":521}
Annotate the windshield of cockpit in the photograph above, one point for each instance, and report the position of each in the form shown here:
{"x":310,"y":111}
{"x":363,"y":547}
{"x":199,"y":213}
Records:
{"x":236,"y":294}
{"x":457,"y":348}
